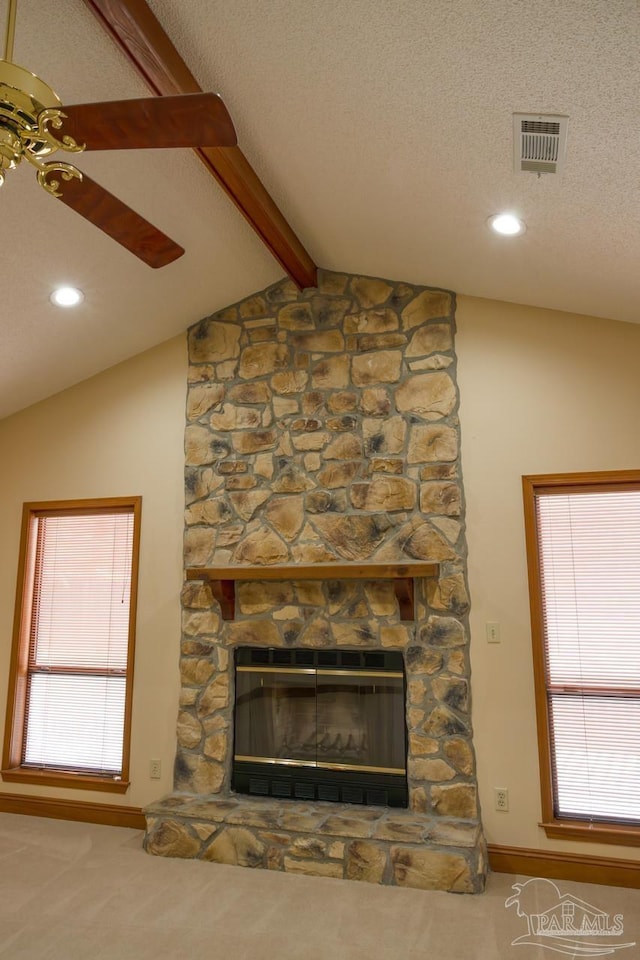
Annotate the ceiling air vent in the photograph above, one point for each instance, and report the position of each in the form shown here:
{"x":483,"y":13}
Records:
{"x":539,"y":142}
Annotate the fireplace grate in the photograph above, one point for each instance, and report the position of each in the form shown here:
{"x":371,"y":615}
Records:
{"x":328,"y":791}
{"x":350,"y":659}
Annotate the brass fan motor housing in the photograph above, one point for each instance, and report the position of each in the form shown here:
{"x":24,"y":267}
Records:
{"x":22,"y":97}
{"x":27,"y":107}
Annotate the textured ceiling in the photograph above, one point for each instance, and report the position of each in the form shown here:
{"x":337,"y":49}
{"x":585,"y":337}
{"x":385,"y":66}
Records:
{"x":383,"y":128}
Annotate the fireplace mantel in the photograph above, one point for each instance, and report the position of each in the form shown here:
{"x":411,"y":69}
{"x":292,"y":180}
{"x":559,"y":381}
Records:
{"x":223,"y":579}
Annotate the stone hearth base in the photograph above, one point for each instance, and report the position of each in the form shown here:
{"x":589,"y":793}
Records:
{"x":376,"y":844}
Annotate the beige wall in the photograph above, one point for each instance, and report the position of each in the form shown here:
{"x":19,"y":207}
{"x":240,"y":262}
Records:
{"x":541,"y":392}
{"x":119,"y":433}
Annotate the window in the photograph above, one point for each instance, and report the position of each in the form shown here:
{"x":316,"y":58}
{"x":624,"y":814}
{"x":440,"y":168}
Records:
{"x":70,"y":685}
{"x":583,"y":548}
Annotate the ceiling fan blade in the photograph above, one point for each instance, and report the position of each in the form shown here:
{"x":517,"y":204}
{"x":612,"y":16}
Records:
{"x":119,"y":221}
{"x":144,"y":41}
{"x":186,"y":120}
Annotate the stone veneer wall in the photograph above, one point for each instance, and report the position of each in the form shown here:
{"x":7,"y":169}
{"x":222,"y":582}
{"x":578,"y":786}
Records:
{"x":323,"y":426}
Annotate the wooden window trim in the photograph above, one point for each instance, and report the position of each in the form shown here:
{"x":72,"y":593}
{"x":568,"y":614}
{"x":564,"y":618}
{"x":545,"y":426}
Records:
{"x":75,"y":781}
{"x":556,"y":827}
{"x":12,"y":771}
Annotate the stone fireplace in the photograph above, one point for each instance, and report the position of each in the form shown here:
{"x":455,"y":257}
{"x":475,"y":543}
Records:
{"x":322,"y":430}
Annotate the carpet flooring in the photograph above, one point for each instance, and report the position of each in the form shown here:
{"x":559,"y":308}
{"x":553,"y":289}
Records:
{"x":75,"y":891}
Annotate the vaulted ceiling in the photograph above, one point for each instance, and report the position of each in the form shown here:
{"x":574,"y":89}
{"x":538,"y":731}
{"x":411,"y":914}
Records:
{"x":383,"y":131}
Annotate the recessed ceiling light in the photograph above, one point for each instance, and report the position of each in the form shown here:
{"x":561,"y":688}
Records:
{"x":67,"y":296}
{"x":507,"y":224}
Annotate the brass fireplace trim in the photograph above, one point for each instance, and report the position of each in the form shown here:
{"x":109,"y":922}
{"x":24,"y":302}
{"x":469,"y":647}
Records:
{"x":320,"y":765}
{"x":324,"y":671}
{"x":308,"y":670}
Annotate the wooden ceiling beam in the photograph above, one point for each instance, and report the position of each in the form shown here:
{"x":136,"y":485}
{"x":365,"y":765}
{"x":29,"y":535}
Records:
{"x":137,"y":31}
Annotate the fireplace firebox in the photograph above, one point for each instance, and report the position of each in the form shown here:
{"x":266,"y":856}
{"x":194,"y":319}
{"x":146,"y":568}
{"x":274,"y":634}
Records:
{"x":321,"y":725}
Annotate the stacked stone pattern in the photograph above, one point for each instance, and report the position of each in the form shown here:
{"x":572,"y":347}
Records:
{"x":322,"y":839}
{"x":322,"y":426}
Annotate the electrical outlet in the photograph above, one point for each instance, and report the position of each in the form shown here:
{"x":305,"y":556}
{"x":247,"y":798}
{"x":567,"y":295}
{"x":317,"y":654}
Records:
{"x":493,"y":632}
{"x":155,"y":769}
{"x":501,"y":799}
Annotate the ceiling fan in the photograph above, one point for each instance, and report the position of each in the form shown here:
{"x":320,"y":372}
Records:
{"x":34,"y":124}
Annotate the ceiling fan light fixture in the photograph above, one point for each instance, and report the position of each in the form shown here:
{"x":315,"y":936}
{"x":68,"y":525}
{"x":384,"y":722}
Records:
{"x":67,"y":297}
{"x":507,"y":224}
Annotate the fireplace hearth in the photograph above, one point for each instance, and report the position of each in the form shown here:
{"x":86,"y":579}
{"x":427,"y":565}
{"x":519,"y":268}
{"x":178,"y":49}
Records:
{"x":321,"y":725}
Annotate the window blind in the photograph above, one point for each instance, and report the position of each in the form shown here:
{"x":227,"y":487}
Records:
{"x":589,"y":558}
{"x":78,"y":642}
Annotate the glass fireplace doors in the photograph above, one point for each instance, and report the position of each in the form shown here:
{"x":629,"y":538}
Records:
{"x":321,"y":725}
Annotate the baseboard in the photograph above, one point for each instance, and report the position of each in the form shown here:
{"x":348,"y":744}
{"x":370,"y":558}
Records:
{"x":109,"y":814}
{"x":565,"y":866}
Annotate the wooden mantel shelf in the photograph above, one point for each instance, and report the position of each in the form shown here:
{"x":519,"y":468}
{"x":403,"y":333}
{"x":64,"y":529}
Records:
{"x":223,"y":579}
